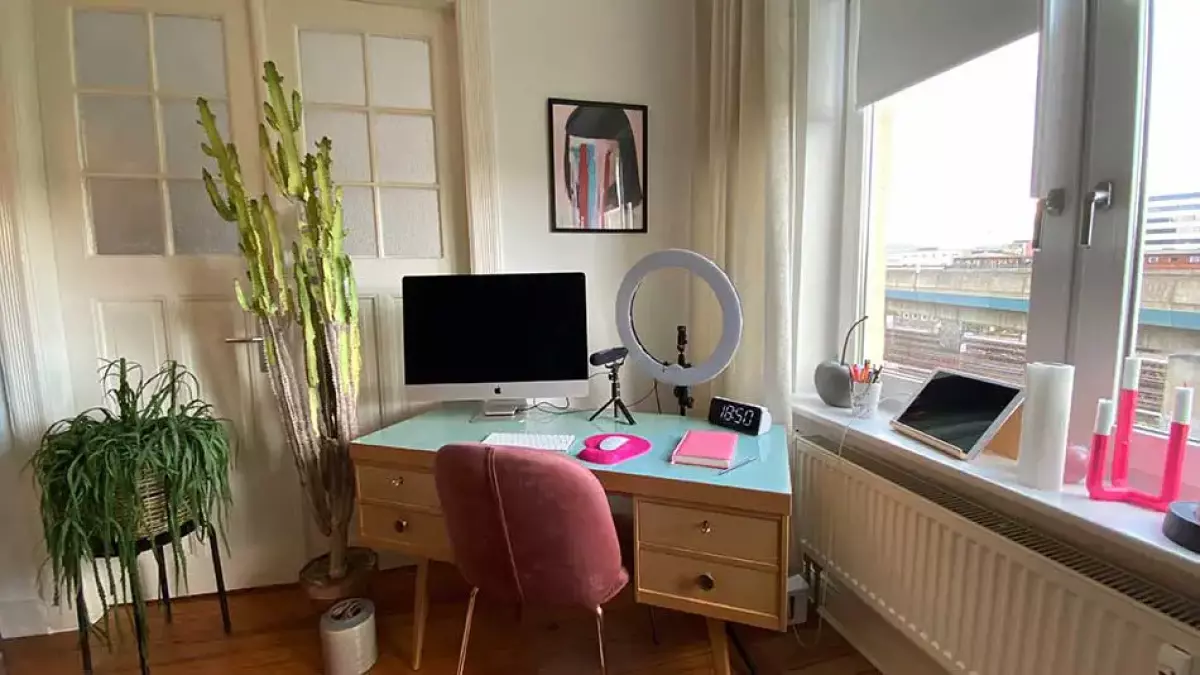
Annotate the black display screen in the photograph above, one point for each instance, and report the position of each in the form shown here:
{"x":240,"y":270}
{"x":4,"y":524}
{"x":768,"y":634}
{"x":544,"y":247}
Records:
{"x":494,"y":328}
{"x":734,"y":415}
{"x":957,"y":409}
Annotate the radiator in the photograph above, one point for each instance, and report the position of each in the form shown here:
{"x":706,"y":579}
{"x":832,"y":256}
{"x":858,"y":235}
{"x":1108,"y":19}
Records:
{"x":979,"y":592}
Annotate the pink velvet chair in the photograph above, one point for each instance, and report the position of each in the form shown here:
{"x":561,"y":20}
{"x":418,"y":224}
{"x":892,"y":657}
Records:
{"x":529,"y":527}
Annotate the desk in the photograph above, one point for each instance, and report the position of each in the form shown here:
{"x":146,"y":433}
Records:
{"x":689,"y":522}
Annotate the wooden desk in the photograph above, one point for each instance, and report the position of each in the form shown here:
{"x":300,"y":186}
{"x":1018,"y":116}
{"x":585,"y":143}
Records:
{"x":706,"y":543}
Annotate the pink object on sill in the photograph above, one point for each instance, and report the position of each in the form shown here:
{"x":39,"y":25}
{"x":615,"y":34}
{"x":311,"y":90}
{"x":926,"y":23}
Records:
{"x":1076,"y":467}
{"x":632,"y":447}
{"x":1172,"y":477}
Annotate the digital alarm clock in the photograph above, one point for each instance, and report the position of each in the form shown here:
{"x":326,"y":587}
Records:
{"x":744,"y":417}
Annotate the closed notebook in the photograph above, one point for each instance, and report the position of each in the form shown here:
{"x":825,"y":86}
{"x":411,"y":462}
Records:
{"x":706,"y":448}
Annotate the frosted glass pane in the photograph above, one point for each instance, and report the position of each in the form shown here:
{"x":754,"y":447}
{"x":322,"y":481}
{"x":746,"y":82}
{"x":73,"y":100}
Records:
{"x":184,"y":134}
{"x":358,"y":214}
{"x":348,"y":131}
{"x":112,"y":49}
{"x":118,"y":134}
{"x":400,"y":75}
{"x":404,"y":149}
{"x":411,"y":223}
{"x":331,"y":68}
{"x":197,"y":228}
{"x":127,"y":216}
{"x":190,"y":54}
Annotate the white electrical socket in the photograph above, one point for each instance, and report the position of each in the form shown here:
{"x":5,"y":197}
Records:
{"x":1174,"y":661}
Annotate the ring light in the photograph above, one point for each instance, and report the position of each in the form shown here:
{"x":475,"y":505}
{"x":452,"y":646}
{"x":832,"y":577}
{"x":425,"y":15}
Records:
{"x":731,"y":310}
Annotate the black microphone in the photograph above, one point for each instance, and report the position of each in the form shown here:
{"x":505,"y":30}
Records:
{"x":607,"y":356}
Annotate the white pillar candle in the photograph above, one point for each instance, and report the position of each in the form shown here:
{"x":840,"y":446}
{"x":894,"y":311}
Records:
{"x":1106,"y":415}
{"x":1183,"y":405}
{"x":1132,"y":372}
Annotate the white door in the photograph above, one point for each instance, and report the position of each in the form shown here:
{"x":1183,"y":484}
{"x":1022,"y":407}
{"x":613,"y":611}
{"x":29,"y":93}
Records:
{"x":381,"y":82}
{"x":145,"y":267}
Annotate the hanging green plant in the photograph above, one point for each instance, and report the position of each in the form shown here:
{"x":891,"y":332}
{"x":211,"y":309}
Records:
{"x":151,"y":460}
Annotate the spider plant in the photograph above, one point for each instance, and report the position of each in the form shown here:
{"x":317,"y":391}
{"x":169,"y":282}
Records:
{"x":155,"y":446}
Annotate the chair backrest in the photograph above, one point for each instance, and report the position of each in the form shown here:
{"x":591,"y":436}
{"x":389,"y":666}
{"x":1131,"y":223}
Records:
{"x":529,"y":526}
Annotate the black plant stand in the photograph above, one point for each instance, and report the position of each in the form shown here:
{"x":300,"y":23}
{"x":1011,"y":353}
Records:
{"x":156,"y":544}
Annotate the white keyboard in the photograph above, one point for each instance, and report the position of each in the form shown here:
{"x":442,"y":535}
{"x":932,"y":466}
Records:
{"x":556,"y":442}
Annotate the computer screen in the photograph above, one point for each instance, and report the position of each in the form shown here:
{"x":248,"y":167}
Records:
{"x":495,"y":328}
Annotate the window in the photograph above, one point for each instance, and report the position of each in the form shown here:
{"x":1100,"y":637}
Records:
{"x":956,"y":140}
{"x":950,"y":218}
{"x":1167,"y":318}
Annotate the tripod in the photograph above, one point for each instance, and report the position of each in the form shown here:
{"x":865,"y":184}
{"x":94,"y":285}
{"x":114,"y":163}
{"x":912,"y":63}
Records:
{"x":615,"y":401}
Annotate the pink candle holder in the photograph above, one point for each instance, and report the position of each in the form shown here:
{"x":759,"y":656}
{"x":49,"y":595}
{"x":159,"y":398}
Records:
{"x":1123,"y":416}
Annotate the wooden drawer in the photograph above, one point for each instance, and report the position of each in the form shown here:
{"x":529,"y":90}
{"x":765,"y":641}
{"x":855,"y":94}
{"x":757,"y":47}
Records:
{"x":724,"y":534}
{"x":710,"y":588}
{"x":396,"y":485}
{"x":405,"y":530}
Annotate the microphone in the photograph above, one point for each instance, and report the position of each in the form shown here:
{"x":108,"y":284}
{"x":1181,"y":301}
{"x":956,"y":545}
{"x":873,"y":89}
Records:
{"x":607,"y":356}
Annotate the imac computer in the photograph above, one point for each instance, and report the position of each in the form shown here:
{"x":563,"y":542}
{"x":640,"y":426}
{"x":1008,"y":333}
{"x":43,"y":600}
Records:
{"x":498,"y":338}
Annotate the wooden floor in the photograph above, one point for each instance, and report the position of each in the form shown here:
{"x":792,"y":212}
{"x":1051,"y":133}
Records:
{"x":275,"y":631}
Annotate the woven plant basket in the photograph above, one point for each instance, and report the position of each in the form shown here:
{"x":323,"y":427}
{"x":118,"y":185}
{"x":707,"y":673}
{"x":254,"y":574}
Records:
{"x":153,"y":497}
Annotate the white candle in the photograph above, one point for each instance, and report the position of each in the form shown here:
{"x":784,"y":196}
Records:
{"x":1106,"y":414}
{"x":1183,"y":405}
{"x":1133,"y":371}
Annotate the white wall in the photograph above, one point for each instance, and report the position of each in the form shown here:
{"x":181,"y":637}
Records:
{"x":629,"y":51}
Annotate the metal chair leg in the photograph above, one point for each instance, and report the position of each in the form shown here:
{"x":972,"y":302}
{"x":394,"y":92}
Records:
{"x":216,"y":559}
{"x":164,"y":591}
{"x":600,"y":639}
{"x":653,"y":625}
{"x":466,"y":637}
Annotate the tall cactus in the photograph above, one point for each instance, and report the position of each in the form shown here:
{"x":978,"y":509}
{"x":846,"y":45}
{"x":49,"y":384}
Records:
{"x":303,"y":298}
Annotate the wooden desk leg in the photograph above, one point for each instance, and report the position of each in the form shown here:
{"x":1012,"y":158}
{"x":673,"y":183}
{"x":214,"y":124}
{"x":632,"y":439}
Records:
{"x":720,"y":647}
{"x":420,"y":611}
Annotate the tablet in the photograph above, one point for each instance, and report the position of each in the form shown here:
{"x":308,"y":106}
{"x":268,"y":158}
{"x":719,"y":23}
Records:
{"x":958,"y":413}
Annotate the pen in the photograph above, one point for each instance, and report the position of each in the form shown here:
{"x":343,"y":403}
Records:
{"x":739,"y":465}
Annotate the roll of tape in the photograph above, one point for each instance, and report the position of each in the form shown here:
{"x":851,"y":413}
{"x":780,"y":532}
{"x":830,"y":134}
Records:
{"x":348,"y":637}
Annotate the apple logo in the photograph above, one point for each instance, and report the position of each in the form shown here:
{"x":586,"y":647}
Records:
{"x":496,"y":391}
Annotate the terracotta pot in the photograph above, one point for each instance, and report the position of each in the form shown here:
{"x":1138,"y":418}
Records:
{"x":361,"y":563}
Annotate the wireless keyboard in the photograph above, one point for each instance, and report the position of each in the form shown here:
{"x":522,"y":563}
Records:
{"x":556,"y":442}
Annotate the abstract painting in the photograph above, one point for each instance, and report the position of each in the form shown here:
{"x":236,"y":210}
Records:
{"x":597,"y":166}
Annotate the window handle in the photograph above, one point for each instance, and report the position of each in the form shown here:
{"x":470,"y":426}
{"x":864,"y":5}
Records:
{"x":1099,"y":199}
{"x":1050,"y":205}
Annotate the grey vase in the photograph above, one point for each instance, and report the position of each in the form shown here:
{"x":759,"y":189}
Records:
{"x":832,"y":380}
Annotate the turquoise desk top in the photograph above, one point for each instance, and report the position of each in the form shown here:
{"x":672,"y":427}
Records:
{"x":457,"y":423}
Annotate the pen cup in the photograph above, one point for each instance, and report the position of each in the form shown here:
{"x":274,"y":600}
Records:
{"x":864,"y":398}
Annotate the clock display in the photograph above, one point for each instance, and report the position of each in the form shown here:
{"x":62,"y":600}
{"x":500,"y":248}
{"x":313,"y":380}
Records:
{"x":744,"y":417}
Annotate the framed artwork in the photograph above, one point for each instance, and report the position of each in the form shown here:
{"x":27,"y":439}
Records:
{"x":597,"y":167}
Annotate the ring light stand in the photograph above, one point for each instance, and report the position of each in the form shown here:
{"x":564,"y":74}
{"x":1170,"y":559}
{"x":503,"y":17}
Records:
{"x":681,"y":374}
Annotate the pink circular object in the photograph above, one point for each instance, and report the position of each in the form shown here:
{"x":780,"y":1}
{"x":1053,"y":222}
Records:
{"x":632,"y":447}
{"x":1076,"y":466}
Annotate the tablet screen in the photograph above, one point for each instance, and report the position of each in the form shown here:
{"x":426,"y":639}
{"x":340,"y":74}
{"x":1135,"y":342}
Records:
{"x":957,"y":409}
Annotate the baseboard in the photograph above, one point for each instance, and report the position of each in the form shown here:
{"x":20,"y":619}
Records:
{"x":881,"y":643}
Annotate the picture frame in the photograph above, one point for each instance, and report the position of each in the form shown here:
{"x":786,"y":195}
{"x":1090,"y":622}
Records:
{"x":597,"y":165}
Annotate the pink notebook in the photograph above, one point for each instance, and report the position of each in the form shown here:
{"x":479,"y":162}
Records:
{"x":706,"y":448}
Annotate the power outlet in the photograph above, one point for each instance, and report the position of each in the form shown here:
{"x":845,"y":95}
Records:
{"x":1174,"y":661}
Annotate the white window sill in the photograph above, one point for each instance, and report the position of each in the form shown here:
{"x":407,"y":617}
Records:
{"x":1137,"y":530}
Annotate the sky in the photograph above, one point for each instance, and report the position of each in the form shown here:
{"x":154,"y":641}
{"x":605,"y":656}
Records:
{"x":956,"y":173}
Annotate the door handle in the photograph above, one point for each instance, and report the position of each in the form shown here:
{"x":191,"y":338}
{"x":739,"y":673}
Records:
{"x":252,"y":340}
{"x":1051,"y":205}
{"x":1099,"y":199}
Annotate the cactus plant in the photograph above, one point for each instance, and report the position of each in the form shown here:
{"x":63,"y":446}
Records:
{"x":303,"y":297}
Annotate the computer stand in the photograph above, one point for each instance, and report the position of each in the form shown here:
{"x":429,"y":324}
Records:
{"x":615,"y":401}
{"x":502,"y":407}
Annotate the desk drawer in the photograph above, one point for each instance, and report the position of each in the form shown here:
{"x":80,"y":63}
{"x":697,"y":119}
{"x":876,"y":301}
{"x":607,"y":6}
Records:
{"x":397,"y":485}
{"x":701,"y":585}
{"x":405,"y":530}
{"x":724,"y":534}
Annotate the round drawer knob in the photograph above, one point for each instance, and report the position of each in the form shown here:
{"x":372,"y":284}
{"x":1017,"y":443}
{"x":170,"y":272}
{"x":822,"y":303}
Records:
{"x":401,"y":526}
{"x":706,"y":582}
{"x":705,"y":527}
{"x":398,"y":481}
